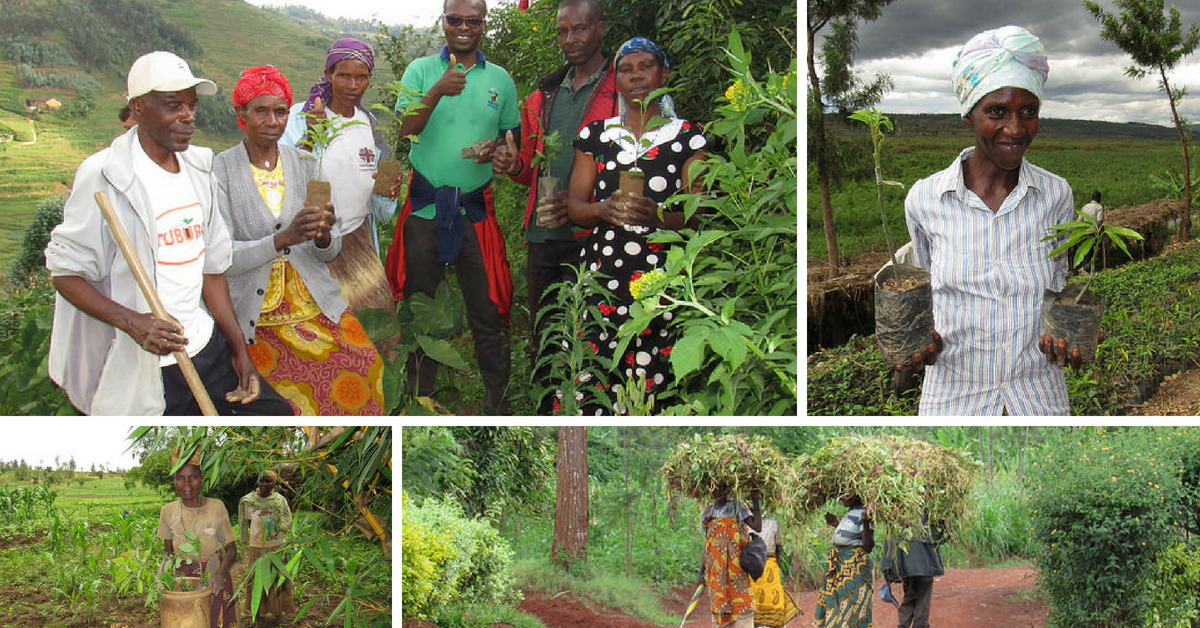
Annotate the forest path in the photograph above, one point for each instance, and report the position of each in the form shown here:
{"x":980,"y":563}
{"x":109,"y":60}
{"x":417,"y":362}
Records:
{"x":963,"y":598}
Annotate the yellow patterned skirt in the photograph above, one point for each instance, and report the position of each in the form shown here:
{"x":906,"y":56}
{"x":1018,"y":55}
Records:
{"x":775,"y":606}
{"x":322,"y":367}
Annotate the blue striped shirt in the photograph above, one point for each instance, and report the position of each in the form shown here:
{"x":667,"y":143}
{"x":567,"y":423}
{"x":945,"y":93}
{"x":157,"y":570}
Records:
{"x":988,"y":272}
{"x":849,"y":531}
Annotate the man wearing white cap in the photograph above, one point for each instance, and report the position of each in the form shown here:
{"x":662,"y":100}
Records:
{"x":108,"y":353}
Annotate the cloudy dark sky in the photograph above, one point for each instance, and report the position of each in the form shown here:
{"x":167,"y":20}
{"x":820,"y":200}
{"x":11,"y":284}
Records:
{"x":915,"y":41}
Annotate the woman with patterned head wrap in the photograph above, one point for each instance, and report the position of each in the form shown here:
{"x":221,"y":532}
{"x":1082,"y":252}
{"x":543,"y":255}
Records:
{"x":978,"y":227}
{"x":621,"y":222}
{"x":201,"y":524}
{"x":349,"y":164}
{"x":264,"y":520}
{"x":303,"y":337}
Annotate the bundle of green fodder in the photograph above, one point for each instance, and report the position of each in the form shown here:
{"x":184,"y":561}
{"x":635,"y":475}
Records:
{"x":900,"y":480}
{"x":741,"y":463}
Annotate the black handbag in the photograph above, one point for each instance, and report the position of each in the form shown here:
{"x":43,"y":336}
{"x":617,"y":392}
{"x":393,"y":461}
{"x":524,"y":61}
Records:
{"x":754,"y":557}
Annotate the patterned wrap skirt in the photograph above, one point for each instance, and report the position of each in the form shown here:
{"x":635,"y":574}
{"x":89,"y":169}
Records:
{"x":729,"y":590}
{"x":320,"y":366}
{"x":775,"y":607}
{"x":845,"y":598}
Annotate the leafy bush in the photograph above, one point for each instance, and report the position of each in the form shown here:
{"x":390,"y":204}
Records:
{"x":70,"y":79}
{"x":35,"y":52}
{"x":448,"y":557}
{"x":1174,"y":601}
{"x":25,"y":321}
{"x":999,"y":524}
{"x":1103,"y":508}
{"x":31,"y":261}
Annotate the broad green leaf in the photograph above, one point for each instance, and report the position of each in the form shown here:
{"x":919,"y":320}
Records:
{"x":688,"y":353}
{"x":442,"y":351}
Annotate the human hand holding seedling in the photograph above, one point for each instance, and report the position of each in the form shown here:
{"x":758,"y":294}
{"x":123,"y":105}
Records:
{"x":312,"y":223}
{"x":552,"y":210}
{"x":902,"y":376}
{"x":452,"y":82}
{"x":316,"y":113}
{"x":1055,"y":350}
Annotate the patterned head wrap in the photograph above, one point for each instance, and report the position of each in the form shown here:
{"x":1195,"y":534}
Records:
{"x":265,"y":80}
{"x":640,"y":44}
{"x":340,"y":50}
{"x":195,"y":459}
{"x":1009,"y":56}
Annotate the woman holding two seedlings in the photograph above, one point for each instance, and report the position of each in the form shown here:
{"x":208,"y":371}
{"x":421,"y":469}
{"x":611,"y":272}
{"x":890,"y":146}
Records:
{"x":202,"y":524}
{"x":978,"y":227}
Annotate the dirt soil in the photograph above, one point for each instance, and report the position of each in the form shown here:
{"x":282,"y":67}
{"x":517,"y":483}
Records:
{"x":963,"y":598}
{"x":1177,"y":395}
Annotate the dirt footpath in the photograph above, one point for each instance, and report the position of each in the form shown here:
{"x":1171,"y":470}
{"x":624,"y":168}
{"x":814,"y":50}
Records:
{"x":963,"y":598}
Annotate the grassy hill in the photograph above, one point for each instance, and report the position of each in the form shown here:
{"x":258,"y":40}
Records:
{"x":231,"y":34}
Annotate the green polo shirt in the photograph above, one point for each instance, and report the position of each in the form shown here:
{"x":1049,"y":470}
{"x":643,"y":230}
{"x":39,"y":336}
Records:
{"x":565,"y":115}
{"x":485,"y":108}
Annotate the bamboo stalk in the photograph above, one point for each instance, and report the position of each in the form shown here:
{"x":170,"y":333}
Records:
{"x":156,"y":307}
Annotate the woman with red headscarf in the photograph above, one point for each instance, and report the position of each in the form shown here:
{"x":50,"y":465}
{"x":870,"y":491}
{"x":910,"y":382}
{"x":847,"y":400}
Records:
{"x":304,"y":339}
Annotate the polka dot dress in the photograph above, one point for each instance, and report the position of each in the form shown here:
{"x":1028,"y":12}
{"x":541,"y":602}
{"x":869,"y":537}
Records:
{"x":622,"y":253}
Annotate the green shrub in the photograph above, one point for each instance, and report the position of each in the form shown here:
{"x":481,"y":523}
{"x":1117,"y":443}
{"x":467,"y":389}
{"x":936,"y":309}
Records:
{"x":32,"y":259}
{"x":1103,"y":508}
{"x":998,"y":525}
{"x":1175,"y":596}
{"x":448,"y":557}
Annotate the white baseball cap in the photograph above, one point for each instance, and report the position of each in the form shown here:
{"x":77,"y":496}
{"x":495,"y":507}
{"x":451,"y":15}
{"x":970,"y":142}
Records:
{"x":162,"y":71}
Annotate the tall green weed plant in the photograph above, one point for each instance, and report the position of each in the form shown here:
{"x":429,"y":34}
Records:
{"x":732,"y":284}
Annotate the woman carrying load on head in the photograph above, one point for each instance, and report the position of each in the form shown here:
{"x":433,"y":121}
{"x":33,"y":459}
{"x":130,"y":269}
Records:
{"x":206,"y":520}
{"x":775,"y":607}
{"x":978,"y":227}
{"x":304,"y":339}
{"x":845,"y":598}
{"x":727,"y":526}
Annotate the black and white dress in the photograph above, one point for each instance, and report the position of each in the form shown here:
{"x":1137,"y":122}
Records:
{"x":622,"y":253}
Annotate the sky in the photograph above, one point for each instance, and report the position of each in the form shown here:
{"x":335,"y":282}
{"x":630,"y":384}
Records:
{"x":89,"y":440}
{"x":390,"y":12}
{"x":915,"y":41}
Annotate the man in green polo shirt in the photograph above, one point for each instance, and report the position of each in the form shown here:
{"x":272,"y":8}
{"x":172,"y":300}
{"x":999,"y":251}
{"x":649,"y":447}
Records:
{"x":448,"y":217}
{"x":566,"y":100}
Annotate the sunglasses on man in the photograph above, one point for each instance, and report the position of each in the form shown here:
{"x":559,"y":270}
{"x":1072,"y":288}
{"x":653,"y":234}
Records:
{"x":456,"y":21}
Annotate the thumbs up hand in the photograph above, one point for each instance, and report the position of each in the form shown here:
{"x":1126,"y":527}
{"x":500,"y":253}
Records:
{"x":505,"y":158}
{"x":317,"y":112}
{"x":452,"y":82}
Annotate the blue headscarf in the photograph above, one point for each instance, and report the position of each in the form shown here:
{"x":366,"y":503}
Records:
{"x":340,"y":50}
{"x":640,"y":44}
{"x":1009,"y":56}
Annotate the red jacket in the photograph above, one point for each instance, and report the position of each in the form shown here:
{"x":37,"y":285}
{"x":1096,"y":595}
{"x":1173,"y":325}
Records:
{"x":602,"y":104}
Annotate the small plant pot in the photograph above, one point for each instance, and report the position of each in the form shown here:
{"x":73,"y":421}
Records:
{"x":633,"y":182}
{"x":186,"y":609}
{"x":904,"y":314}
{"x":547,"y":186}
{"x":317,"y":193}
{"x":1078,"y":322}
{"x":386,"y":175}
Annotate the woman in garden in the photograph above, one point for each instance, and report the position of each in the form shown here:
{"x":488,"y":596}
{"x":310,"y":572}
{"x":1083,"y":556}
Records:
{"x":202,"y":525}
{"x":727,"y":527}
{"x":845,"y":598}
{"x":978,"y":227}
{"x":774,"y":606}
{"x":622,"y":223}
{"x":303,"y":337}
{"x":264,"y":520}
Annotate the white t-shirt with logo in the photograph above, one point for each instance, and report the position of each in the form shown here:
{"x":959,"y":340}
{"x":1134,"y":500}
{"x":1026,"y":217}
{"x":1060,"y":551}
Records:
{"x":348,"y":163}
{"x":179,"y":273}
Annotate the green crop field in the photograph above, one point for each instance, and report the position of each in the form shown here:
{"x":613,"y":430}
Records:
{"x":1109,"y":161}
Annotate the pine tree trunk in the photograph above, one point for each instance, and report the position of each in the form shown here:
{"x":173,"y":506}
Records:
{"x":571,"y":497}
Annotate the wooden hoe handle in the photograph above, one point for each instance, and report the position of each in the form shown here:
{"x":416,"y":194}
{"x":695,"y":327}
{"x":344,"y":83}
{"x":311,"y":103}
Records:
{"x":156,"y":307}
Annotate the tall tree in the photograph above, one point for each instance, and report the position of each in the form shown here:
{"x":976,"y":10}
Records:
{"x":571,"y":497}
{"x":1156,"y":43}
{"x":839,"y":85}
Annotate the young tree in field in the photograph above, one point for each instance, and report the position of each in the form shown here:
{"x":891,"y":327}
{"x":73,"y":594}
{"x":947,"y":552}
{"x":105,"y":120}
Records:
{"x":839,"y":87}
{"x":571,"y":498}
{"x":1156,"y":43}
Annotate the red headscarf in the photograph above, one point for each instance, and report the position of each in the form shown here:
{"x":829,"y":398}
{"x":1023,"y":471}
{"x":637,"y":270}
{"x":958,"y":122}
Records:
{"x":260,"y":81}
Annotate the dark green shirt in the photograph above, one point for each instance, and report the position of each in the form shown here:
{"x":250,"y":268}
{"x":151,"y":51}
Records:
{"x":565,"y":116}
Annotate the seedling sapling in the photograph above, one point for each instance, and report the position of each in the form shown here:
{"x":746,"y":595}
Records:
{"x":875,"y":121}
{"x":1088,"y":233}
